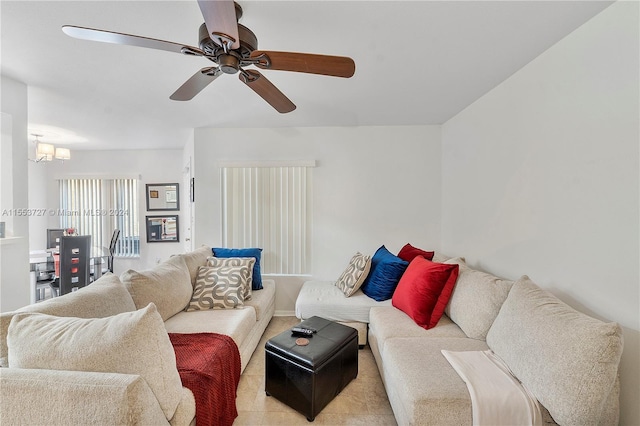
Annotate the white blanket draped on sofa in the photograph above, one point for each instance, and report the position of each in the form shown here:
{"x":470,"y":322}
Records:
{"x":497,"y":397}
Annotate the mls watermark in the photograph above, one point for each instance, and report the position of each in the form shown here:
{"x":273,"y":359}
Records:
{"x":64,"y":212}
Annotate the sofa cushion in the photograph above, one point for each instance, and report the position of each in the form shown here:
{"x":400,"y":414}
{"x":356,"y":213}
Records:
{"x":323,"y":299}
{"x":264,"y":300}
{"x":218,"y":288}
{"x":409,"y":252}
{"x":568,"y":360}
{"x":387,"y":323}
{"x":476,"y":300}
{"x":235,"y":323}
{"x":88,"y":302}
{"x":386,"y":270}
{"x":194,"y":259}
{"x":355,"y":274}
{"x":424,"y":290}
{"x":168,"y":286}
{"x":235,"y":269}
{"x":256,"y":253}
{"x":129,"y":343}
{"x":423,"y":388}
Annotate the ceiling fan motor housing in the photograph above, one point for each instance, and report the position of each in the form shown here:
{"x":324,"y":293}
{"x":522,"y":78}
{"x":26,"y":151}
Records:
{"x":230,"y":61}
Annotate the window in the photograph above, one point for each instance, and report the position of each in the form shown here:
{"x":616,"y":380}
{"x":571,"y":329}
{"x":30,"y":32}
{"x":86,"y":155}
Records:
{"x":268,"y":207}
{"x":97,"y":207}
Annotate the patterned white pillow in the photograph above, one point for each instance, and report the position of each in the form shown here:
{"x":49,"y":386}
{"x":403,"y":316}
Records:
{"x":231,"y":264}
{"x":355,"y":274}
{"x":217,"y":288}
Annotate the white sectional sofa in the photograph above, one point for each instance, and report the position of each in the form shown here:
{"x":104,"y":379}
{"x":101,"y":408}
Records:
{"x":323,"y":299}
{"x":60,"y":396}
{"x":567,"y":360}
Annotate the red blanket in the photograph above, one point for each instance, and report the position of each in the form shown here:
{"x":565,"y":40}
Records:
{"x":209,"y":366}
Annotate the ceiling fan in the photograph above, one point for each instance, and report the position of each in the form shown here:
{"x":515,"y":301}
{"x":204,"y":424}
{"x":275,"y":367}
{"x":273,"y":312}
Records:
{"x":232,"y":47}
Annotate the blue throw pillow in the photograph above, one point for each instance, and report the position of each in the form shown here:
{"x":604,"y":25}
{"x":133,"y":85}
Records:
{"x":256,"y":283}
{"x":386,"y":270}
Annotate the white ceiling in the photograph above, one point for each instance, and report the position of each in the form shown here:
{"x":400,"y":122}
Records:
{"x":417,"y":62}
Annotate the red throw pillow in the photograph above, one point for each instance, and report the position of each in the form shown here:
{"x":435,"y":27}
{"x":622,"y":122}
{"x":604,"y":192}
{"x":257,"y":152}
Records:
{"x":409,"y":252}
{"x":424,"y":291}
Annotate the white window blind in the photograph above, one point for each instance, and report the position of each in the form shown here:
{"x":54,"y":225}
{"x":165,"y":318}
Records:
{"x":97,"y":207}
{"x":268,"y":207}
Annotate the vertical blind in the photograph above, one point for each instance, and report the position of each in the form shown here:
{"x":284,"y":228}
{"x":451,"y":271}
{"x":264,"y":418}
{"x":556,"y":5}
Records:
{"x":97,"y":207}
{"x":80,"y":207}
{"x":268,"y":207}
{"x":124,"y":199}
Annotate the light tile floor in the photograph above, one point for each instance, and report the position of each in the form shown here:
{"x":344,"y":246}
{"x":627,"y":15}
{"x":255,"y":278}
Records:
{"x":363,"y":402}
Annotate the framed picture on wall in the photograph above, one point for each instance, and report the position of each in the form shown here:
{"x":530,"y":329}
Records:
{"x":163,"y":196}
{"x":163,"y":229}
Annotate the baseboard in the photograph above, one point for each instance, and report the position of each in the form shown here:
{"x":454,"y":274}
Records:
{"x":284,"y":314}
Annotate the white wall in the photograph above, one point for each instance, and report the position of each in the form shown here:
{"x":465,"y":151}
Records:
{"x":14,"y":255}
{"x":187,"y":210}
{"x":369,"y":189}
{"x":38,"y":195}
{"x":153,"y":166}
{"x":541,"y":177}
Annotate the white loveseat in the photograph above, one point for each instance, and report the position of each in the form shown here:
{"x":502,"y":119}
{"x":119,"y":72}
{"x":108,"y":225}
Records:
{"x":566,"y":359}
{"x":140,"y":310}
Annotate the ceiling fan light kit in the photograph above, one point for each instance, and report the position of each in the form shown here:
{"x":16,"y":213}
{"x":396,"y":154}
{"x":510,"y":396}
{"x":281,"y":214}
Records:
{"x":232,"y":47}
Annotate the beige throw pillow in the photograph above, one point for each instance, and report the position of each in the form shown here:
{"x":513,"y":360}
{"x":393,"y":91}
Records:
{"x":128,"y":343}
{"x":195,"y":259}
{"x":105,"y":297}
{"x":168,"y":286}
{"x":218,"y":288}
{"x":236,"y":265}
{"x":476,"y":299}
{"x":568,"y":360}
{"x":355,"y":274}
{"x":89,"y":301}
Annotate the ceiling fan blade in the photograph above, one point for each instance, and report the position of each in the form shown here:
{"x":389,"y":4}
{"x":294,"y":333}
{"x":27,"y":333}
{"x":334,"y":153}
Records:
{"x":221,"y":21}
{"x":128,"y":39}
{"x":336,"y":66}
{"x":270,"y":93}
{"x":195,"y":84}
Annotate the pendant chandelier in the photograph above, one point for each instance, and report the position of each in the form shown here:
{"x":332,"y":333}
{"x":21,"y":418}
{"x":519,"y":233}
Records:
{"x":47,"y":152}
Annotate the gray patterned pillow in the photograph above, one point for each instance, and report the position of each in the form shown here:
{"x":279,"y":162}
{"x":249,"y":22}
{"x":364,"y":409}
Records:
{"x":217,"y":288}
{"x":355,"y":274}
{"x":231,"y":264}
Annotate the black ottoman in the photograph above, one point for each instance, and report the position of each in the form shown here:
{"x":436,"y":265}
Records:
{"x":307,"y":378}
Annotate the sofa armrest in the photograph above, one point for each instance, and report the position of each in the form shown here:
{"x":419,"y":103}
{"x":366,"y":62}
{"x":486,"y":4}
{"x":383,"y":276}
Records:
{"x":31,"y":396}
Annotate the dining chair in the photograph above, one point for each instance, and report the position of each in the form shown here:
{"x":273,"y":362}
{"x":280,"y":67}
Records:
{"x":112,"y":249}
{"x":53,"y":238}
{"x":74,"y":265}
